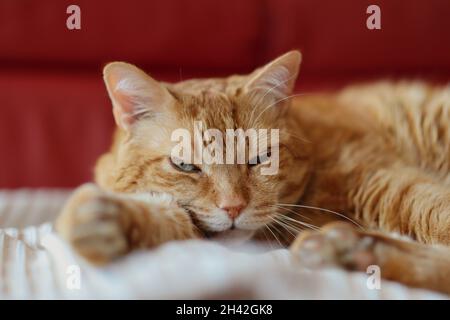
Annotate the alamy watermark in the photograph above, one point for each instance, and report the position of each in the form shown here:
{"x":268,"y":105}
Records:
{"x":374,"y":279}
{"x":373,"y":21}
{"x":73,"y":277}
{"x":212,"y":146}
{"x":73,"y":21}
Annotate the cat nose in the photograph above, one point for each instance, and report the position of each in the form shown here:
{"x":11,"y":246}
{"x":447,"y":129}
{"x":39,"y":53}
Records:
{"x":233,"y":212}
{"x":233,"y":206}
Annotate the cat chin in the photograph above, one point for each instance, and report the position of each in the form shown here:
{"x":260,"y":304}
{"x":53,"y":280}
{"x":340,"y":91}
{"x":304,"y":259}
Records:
{"x":234,"y":236}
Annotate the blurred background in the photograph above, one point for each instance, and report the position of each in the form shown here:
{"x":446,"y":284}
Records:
{"x":55,"y":116}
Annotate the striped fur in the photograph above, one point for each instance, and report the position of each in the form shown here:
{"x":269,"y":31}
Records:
{"x":375,"y":154}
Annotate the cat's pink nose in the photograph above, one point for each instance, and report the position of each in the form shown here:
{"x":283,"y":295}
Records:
{"x":233,"y":207}
{"x":233,"y":212}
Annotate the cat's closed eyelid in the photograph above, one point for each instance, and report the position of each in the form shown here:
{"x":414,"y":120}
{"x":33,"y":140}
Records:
{"x":260,"y":159}
{"x":179,"y":165}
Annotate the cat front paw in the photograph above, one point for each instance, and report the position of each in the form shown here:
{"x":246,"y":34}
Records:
{"x":338,"y":244}
{"x":91,"y":223}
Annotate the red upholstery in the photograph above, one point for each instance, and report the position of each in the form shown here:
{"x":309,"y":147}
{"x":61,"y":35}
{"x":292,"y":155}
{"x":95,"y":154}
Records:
{"x":183,"y":33}
{"x":334,"y":38}
{"x":54,"y":112}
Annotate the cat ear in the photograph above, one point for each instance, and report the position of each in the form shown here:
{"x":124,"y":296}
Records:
{"x":277,"y":78}
{"x":133,"y":93}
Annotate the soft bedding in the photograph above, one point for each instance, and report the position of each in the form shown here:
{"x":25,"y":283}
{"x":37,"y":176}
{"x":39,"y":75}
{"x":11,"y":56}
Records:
{"x":36,"y":264}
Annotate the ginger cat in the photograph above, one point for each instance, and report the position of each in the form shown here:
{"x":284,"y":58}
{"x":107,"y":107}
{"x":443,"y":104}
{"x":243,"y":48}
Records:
{"x":376,"y":155}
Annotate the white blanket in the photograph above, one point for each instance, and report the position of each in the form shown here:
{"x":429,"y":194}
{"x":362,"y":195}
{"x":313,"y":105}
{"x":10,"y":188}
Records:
{"x":36,"y":264}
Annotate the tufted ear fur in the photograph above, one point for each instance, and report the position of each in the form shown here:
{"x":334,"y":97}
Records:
{"x":277,"y":78}
{"x":133,"y":93}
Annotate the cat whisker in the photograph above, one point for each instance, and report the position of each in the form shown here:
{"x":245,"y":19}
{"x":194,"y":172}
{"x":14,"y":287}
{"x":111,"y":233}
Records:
{"x":297,"y":137}
{"x":281,"y":233}
{"x":273,"y":225}
{"x":276,"y":102}
{"x":298,"y":215}
{"x":269,"y":91}
{"x":292,"y":226}
{"x":292,"y":211}
{"x":273,"y":234}
{"x":324,"y":210}
{"x":288,"y":227}
{"x":267,"y":238}
{"x":277,"y":85}
{"x":307,"y":225}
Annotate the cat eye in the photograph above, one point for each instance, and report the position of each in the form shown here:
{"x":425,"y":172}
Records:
{"x":182,"y":166}
{"x":262,"y":158}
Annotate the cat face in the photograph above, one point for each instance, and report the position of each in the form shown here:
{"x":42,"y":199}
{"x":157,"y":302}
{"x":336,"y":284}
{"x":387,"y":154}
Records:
{"x":235,"y":195}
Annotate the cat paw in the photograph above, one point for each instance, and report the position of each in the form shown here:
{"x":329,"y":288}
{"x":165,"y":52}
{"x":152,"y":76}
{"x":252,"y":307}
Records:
{"x":91,"y":223}
{"x":337,"y":244}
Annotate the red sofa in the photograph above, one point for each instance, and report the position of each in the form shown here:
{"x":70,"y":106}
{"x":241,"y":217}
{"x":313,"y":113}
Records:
{"x":55,"y":116}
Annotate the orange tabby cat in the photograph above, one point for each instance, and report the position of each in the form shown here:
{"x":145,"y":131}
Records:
{"x":376,"y":155}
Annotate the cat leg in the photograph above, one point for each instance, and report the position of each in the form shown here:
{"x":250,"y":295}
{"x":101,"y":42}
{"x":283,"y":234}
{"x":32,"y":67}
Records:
{"x":342,"y":245}
{"x":102,"y":225}
{"x":403,"y":200}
